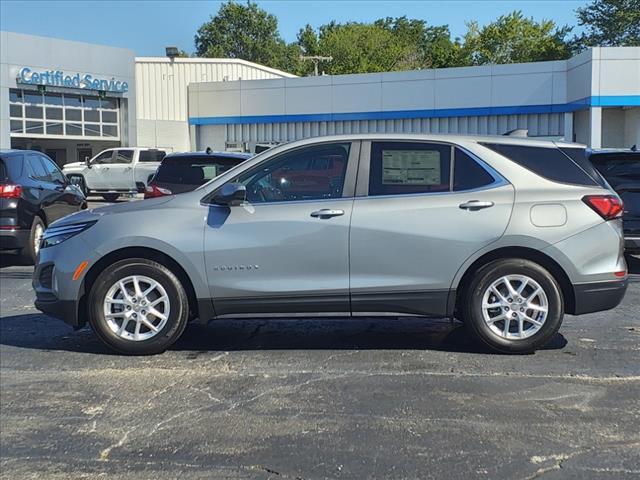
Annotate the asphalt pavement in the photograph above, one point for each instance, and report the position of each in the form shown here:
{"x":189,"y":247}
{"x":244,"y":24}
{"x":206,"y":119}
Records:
{"x":317,"y":398}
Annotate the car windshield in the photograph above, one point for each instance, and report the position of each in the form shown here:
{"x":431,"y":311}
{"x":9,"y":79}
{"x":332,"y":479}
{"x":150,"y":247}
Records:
{"x":618,"y":165}
{"x":193,"y":170}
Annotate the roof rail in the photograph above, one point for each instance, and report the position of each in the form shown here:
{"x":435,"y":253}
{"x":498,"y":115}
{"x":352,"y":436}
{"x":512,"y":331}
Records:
{"x":517,"y":132}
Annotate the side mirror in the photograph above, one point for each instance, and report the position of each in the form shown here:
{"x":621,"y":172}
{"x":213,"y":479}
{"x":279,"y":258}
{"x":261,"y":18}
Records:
{"x":87,"y":162}
{"x":231,"y":194}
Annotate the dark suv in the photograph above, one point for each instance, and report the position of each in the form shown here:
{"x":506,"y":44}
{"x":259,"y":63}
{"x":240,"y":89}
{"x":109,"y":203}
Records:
{"x":33,"y":193}
{"x":621,"y":168}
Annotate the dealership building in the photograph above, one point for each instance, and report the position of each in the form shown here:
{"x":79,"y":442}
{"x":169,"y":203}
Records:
{"x":72,"y":99}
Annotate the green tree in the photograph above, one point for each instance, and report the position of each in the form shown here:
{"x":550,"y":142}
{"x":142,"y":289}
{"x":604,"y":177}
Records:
{"x":609,"y":23}
{"x":513,"y":38}
{"x":243,"y":31}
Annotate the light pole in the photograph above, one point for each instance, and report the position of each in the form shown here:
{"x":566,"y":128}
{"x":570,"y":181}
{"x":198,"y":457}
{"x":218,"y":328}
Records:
{"x":315,"y":59}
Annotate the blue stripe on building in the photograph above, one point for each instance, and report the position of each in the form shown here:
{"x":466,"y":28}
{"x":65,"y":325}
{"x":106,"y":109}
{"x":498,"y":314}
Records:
{"x":595,"y":101}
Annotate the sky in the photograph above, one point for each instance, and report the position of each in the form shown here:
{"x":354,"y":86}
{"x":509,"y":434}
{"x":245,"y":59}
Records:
{"x":147,"y":27}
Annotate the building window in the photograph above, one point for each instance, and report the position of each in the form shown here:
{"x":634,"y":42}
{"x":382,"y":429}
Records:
{"x":62,"y":115}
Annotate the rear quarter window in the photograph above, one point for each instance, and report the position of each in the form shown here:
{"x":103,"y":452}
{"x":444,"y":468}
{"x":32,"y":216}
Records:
{"x":11,"y":167}
{"x":548,"y":162}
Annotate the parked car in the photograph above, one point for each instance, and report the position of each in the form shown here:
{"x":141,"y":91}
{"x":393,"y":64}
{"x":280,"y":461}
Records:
{"x":621,"y":168}
{"x":115,"y":171}
{"x":33,"y":193}
{"x":506,"y":234}
{"x":183,"y":172}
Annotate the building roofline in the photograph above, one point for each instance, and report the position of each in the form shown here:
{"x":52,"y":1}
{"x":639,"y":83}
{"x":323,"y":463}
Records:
{"x":237,"y":61}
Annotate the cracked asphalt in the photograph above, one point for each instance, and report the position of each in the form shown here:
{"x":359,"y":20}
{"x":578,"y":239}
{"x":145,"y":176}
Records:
{"x":317,"y":398}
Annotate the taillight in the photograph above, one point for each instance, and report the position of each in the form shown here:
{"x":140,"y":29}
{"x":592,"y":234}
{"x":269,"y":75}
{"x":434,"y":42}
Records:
{"x":10,"y":191}
{"x":607,"y":206}
{"x":152,"y":191}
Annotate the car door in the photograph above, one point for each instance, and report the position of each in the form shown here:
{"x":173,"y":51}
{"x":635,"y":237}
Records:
{"x":118,"y":174}
{"x":421,"y":209}
{"x":285,"y":249}
{"x":95,"y":175}
{"x":64,"y":196}
{"x":45,"y":192}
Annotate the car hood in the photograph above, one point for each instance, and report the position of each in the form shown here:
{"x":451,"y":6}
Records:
{"x":67,"y":166}
{"x":96,"y":213}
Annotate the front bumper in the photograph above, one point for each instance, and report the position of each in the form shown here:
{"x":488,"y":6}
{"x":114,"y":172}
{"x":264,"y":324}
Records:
{"x":599,"y":296}
{"x":14,"y":239}
{"x":65,"y":310}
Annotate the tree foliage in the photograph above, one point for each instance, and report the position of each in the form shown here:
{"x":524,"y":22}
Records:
{"x":609,"y":23}
{"x":515,"y":39}
{"x":244,"y":30}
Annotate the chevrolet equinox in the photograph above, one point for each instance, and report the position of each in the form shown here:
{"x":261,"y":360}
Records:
{"x":506,"y":234}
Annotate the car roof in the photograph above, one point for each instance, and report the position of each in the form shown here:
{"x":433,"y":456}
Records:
{"x":234,"y":155}
{"x":449,"y":138}
{"x":13,"y":151}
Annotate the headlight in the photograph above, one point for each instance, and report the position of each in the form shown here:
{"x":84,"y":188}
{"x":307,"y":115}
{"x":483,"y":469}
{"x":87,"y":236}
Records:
{"x":56,"y":235}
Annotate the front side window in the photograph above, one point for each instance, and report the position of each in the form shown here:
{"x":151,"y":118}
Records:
{"x":52,"y":170}
{"x":123,"y":156}
{"x":406,"y":168}
{"x":104,"y":157}
{"x":311,"y":173}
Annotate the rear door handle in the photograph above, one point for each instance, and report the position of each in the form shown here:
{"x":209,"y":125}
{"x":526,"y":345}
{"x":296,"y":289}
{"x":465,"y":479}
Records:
{"x":327,"y":213}
{"x":475,"y":205}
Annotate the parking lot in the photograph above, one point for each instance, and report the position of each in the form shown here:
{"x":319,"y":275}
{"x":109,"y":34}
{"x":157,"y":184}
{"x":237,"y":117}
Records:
{"x":318,"y":398}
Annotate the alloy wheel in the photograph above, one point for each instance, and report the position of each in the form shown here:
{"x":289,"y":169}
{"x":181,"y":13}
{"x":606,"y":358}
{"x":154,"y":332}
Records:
{"x":136,"y":308}
{"x":37,"y":238}
{"x":515,"y":307}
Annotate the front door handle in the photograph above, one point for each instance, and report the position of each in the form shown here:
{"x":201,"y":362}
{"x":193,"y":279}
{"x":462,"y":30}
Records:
{"x":475,"y":205}
{"x":327,"y":213}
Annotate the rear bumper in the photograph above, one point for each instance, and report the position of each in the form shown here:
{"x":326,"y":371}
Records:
{"x":632,"y":244}
{"x":598,"y":296}
{"x":13,"y":239}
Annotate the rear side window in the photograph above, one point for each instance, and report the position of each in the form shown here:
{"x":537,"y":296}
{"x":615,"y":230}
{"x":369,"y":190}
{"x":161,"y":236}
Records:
{"x":36,"y":168}
{"x":11,"y":167}
{"x":579,"y":155}
{"x":404,"y":168}
{"x":193,"y":170}
{"x":548,"y":162}
{"x":123,"y":156}
{"x":151,"y":155}
{"x":468,"y":174}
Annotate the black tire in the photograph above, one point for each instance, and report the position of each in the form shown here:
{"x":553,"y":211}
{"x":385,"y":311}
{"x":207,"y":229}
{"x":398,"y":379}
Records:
{"x":471,"y":305}
{"x":178,"y":312}
{"x":29,"y":253}
{"x":78,"y":180}
{"x":110,"y":197}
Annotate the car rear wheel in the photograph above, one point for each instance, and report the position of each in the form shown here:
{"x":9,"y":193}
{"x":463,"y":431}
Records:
{"x":29,"y":252}
{"x":110,"y":197}
{"x":513,"y":305}
{"x":138,"y":307}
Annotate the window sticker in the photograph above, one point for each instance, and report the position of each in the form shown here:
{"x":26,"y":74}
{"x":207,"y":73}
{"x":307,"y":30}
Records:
{"x":411,"y":167}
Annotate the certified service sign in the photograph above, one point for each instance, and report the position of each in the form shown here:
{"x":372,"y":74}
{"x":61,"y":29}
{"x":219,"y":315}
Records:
{"x":58,"y":78}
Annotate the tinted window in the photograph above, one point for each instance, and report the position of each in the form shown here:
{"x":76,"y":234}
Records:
{"x":548,"y":162}
{"x":123,"y":156}
{"x":404,"y":168}
{"x":468,"y":173}
{"x":11,"y":167}
{"x":618,"y":165}
{"x":579,"y":156}
{"x":36,"y":168}
{"x":53,"y":172}
{"x":151,"y":155}
{"x":305,"y":174}
{"x":195,"y":170}
{"x":104,"y":157}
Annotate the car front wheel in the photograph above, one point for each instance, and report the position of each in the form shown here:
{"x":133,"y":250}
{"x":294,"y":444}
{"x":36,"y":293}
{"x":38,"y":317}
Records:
{"x":513,"y":305}
{"x":138,"y":307}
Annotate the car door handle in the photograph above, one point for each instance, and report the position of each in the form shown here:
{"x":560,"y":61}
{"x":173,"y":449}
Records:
{"x":327,"y":213}
{"x":475,"y":205}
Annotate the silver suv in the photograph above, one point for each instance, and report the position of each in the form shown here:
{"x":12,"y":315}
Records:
{"x":505,"y":234}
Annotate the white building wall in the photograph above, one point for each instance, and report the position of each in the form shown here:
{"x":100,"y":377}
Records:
{"x":542,"y":97}
{"x":162,"y":93}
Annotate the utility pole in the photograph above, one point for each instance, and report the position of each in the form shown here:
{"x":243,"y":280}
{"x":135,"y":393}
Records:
{"x":315,"y":59}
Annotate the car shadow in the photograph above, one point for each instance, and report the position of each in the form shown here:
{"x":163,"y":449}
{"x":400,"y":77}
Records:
{"x":40,"y":332}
